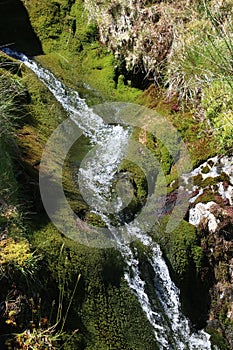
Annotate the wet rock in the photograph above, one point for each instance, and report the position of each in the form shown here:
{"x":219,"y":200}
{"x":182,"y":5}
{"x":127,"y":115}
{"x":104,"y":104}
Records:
{"x":211,"y":210}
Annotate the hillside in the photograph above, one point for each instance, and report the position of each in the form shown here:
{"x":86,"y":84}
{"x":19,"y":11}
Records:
{"x":173,"y":57}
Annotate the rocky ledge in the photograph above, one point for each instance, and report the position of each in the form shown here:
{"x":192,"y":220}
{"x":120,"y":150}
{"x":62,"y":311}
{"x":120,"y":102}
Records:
{"x":211,"y":210}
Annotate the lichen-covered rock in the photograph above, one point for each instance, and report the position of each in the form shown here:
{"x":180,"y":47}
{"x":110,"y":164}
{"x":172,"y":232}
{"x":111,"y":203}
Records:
{"x":202,"y":214}
{"x":215,"y":221}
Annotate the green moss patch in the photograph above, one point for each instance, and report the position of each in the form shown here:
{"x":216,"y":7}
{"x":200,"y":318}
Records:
{"x":105,"y":311}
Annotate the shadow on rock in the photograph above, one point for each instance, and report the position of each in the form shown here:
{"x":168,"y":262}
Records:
{"x":16,"y":30}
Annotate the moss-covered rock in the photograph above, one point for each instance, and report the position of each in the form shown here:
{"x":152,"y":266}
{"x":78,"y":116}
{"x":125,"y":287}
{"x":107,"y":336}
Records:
{"x":75,"y":53}
{"x":188,"y":267}
{"x":104,"y":310}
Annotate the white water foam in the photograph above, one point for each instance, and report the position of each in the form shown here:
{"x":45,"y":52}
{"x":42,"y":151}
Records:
{"x":171,"y":328}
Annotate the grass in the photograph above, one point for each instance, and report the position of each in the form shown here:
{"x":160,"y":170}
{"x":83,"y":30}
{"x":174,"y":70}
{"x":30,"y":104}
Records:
{"x":106,"y":321}
{"x":199,"y":72}
{"x":11,"y":95}
{"x":42,"y":333}
{"x":11,"y":92}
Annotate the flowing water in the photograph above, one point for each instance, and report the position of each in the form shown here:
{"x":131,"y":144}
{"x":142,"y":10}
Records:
{"x":171,"y":328}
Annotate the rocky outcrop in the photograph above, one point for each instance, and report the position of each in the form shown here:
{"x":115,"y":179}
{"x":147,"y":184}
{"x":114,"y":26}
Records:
{"x":218,"y":246}
{"x":138,"y":32}
{"x":212,"y":212}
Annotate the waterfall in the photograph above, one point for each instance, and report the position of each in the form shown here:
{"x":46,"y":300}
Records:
{"x":171,"y":328}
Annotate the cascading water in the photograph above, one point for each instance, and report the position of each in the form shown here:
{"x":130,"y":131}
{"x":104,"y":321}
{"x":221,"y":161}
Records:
{"x":171,"y":328}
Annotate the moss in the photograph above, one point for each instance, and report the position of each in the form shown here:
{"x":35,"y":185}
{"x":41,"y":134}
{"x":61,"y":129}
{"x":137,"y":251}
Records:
{"x":210,"y":162}
{"x":98,"y":71}
{"x":205,"y":170}
{"x":139,"y":183}
{"x":172,"y":181}
{"x":143,"y":252}
{"x":8,"y":183}
{"x":199,"y":141}
{"x":45,"y":111}
{"x":221,"y":271}
{"x":206,"y":197}
{"x":180,"y":246}
{"x":104,"y":309}
{"x":197,"y":255}
{"x":224,"y":177}
{"x":14,"y":253}
{"x":98,"y":312}
{"x":197,"y":180}
{"x":95,"y":220}
{"x":186,"y":262}
{"x":209,"y":181}
{"x":217,"y":339}
{"x":94,"y":66}
{"x":72,"y":50}
{"x":203,"y":183}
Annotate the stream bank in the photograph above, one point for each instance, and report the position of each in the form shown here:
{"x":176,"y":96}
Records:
{"x":101,"y":69}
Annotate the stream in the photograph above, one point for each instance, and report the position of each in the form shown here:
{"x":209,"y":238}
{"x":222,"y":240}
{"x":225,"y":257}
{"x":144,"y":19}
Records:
{"x":171,"y":328}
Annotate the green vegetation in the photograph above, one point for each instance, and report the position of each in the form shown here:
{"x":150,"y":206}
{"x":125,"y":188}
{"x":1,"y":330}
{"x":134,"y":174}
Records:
{"x":217,"y":339}
{"x":199,"y":70}
{"x":19,"y":263}
{"x":188,"y":266}
{"x":218,"y":102}
{"x":73,"y":52}
{"x":194,"y":93}
{"x":104,"y":310}
{"x":181,"y":247}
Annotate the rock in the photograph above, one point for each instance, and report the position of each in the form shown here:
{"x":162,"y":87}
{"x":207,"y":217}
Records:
{"x":214,"y":218}
{"x":202,"y":214}
{"x":135,"y":30}
{"x":16,"y":30}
